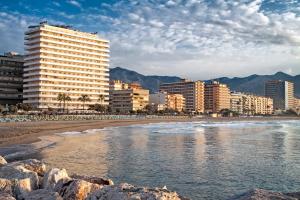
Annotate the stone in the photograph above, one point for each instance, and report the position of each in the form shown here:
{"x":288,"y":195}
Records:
{"x":94,"y":179}
{"x":76,"y":189}
{"x":126,"y":191}
{"x":6,"y":186}
{"x":293,"y":194}
{"x":52,"y":177}
{"x":32,"y":165}
{"x":2,"y":161}
{"x":42,"y":194}
{"x":6,"y":196}
{"x":21,"y":175}
{"x":260,"y":194}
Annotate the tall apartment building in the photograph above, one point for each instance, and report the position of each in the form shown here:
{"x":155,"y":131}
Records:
{"x":282,"y":93}
{"x":131,"y":98}
{"x":216,"y":97}
{"x":11,"y":81}
{"x":192,"y":91}
{"x":62,"y":60}
{"x":251,"y":104}
{"x":163,"y":100}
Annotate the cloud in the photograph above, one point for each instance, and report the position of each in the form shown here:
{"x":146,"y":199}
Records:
{"x":75,"y":3}
{"x":196,"y":39}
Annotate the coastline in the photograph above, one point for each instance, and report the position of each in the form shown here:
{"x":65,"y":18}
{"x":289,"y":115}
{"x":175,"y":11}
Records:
{"x":17,"y":133}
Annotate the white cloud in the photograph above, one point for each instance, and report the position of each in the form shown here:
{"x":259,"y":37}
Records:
{"x":75,"y":3}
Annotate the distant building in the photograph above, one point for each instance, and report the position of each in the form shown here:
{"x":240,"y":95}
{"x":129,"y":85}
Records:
{"x":192,"y":91}
{"x":250,"y":104}
{"x":163,"y":100}
{"x":62,"y":60}
{"x":297,"y":103}
{"x":282,"y":93}
{"x":127,"y":99}
{"x":216,"y":97}
{"x":117,"y":85}
{"x":11,"y":81}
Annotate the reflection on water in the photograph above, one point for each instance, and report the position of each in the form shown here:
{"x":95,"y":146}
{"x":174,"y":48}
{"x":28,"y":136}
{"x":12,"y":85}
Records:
{"x":200,"y":160}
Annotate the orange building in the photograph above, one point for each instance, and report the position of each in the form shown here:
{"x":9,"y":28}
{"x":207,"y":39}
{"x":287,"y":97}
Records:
{"x":216,"y":97}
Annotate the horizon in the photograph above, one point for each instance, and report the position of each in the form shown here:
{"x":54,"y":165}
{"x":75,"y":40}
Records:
{"x":199,"y":39}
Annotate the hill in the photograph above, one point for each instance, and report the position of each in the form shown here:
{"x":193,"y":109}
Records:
{"x":250,"y":84}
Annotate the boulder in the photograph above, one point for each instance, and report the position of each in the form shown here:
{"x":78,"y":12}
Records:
{"x":76,"y":189}
{"x":129,"y":192}
{"x":32,"y":165}
{"x":93,"y":179}
{"x":42,"y":194}
{"x":53,"y":176}
{"x":260,"y":194}
{"x":6,"y":186}
{"x":6,"y":196}
{"x":2,"y":161}
{"x":23,"y":179}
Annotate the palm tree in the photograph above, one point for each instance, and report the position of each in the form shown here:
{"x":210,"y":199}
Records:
{"x":63,"y":97}
{"x":84,"y":98}
{"x":101,"y":98}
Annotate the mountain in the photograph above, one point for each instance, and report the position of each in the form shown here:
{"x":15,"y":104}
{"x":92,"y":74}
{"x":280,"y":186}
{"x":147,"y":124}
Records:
{"x":250,"y":84}
{"x":149,"y":82}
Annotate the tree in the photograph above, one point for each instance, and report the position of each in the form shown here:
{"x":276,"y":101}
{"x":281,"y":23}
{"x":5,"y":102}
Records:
{"x":98,"y":108}
{"x":84,"y":98}
{"x":63,"y":97}
{"x":13,"y":109}
{"x":24,"y":106}
{"x":101,"y":98}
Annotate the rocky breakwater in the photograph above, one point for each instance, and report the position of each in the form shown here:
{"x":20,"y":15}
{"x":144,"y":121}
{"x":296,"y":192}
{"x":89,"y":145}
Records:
{"x":31,"y":180}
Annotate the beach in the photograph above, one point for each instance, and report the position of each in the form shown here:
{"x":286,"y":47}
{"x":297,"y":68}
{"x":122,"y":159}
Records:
{"x":14,"y":133}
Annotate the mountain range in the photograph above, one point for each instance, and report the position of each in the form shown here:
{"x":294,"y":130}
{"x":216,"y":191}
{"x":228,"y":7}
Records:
{"x":250,"y":84}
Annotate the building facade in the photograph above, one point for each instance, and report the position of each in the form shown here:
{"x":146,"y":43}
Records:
{"x":249,"y":104}
{"x":163,"y":100}
{"x":282,"y":93}
{"x":11,"y":81}
{"x":216,"y":97}
{"x":62,"y":60}
{"x":125,"y":100}
{"x":192,"y":91}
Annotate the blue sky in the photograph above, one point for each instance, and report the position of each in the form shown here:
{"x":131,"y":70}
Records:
{"x":197,"y":39}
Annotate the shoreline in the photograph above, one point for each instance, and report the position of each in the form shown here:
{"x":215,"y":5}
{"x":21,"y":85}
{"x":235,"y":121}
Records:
{"x":18,"y":133}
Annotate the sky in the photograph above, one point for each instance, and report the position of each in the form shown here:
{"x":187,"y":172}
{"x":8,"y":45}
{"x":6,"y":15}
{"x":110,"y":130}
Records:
{"x":195,"y":39}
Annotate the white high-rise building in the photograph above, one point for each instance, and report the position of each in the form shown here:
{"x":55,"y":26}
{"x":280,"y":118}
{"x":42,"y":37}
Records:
{"x":62,"y":60}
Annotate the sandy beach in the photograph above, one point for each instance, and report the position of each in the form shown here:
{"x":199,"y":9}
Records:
{"x":14,"y":133}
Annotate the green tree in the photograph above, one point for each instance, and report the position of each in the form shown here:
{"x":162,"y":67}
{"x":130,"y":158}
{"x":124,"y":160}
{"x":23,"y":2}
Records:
{"x":101,"y":98}
{"x":84,"y":98}
{"x":63,"y":98}
{"x":24,"y":106}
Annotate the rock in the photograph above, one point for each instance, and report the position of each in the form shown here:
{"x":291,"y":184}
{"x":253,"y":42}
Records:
{"x":77,"y":189}
{"x":293,"y":194}
{"x":129,"y":192}
{"x":42,"y":194}
{"x":32,"y":165}
{"x":94,"y":179}
{"x":260,"y":194}
{"x":6,"y":186}
{"x":2,"y":161}
{"x":6,"y":196}
{"x":52,"y":177}
{"x":23,"y":180}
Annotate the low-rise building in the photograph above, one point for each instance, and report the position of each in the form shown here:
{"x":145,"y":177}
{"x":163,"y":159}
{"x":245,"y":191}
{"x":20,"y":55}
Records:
{"x":125,"y":100}
{"x":216,"y":97}
{"x":163,"y":100}
{"x":11,"y":81}
{"x":251,"y":104}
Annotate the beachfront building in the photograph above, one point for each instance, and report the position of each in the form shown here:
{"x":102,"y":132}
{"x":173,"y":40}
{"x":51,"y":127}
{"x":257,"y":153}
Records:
{"x":63,"y":60}
{"x":163,"y":100}
{"x":237,"y":102}
{"x":192,"y":91}
{"x":216,"y":97}
{"x":250,"y":104}
{"x":11,"y":81}
{"x":282,"y":93}
{"x":127,"y":99}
